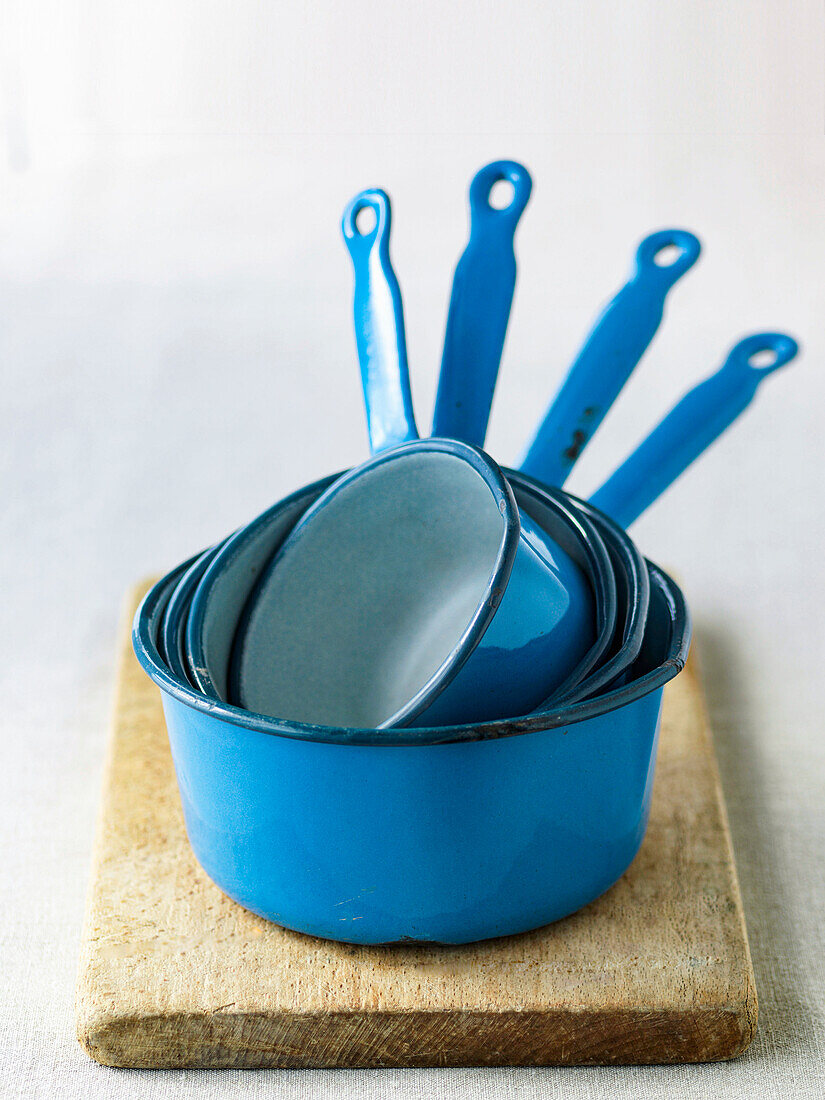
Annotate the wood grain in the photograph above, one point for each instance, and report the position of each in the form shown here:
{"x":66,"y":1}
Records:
{"x":174,"y":974}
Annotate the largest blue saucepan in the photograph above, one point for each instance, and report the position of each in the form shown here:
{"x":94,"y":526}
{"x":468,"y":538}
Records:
{"x":446,"y":835}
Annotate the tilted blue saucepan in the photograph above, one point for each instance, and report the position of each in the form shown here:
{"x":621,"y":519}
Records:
{"x":413,"y":591}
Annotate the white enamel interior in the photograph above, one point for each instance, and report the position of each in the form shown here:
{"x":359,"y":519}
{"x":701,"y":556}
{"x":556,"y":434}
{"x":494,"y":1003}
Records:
{"x":371,"y":593}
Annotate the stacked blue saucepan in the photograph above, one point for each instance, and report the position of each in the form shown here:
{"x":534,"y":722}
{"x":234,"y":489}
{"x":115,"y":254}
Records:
{"x":419,"y":700}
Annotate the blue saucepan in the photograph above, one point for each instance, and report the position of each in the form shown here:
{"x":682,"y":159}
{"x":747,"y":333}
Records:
{"x":413,"y":590}
{"x":445,"y":834}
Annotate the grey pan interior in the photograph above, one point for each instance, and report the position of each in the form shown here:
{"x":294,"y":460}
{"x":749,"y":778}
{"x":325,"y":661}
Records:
{"x":347,"y":655}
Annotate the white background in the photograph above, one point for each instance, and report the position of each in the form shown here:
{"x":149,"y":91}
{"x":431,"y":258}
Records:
{"x":176,"y":353}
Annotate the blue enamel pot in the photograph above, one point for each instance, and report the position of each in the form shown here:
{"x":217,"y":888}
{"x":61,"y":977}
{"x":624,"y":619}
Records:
{"x":443,"y":834}
{"x":413,"y":592}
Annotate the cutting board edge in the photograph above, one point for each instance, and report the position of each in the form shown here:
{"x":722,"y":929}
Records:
{"x":500,"y":1038}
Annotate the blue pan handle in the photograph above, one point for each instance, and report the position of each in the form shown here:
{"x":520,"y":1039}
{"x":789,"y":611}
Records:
{"x":617,"y":342}
{"x":483,"y":285}
{"x":379,"y":325}
{"x":690,"y":427}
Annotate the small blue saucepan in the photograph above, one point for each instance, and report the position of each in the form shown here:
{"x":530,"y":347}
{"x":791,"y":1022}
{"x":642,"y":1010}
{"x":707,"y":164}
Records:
{"x":435,"y":834}
{"x":413,"y":591}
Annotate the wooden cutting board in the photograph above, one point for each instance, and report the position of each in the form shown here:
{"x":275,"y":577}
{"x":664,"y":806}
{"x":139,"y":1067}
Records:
{"x":174,"y":974}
